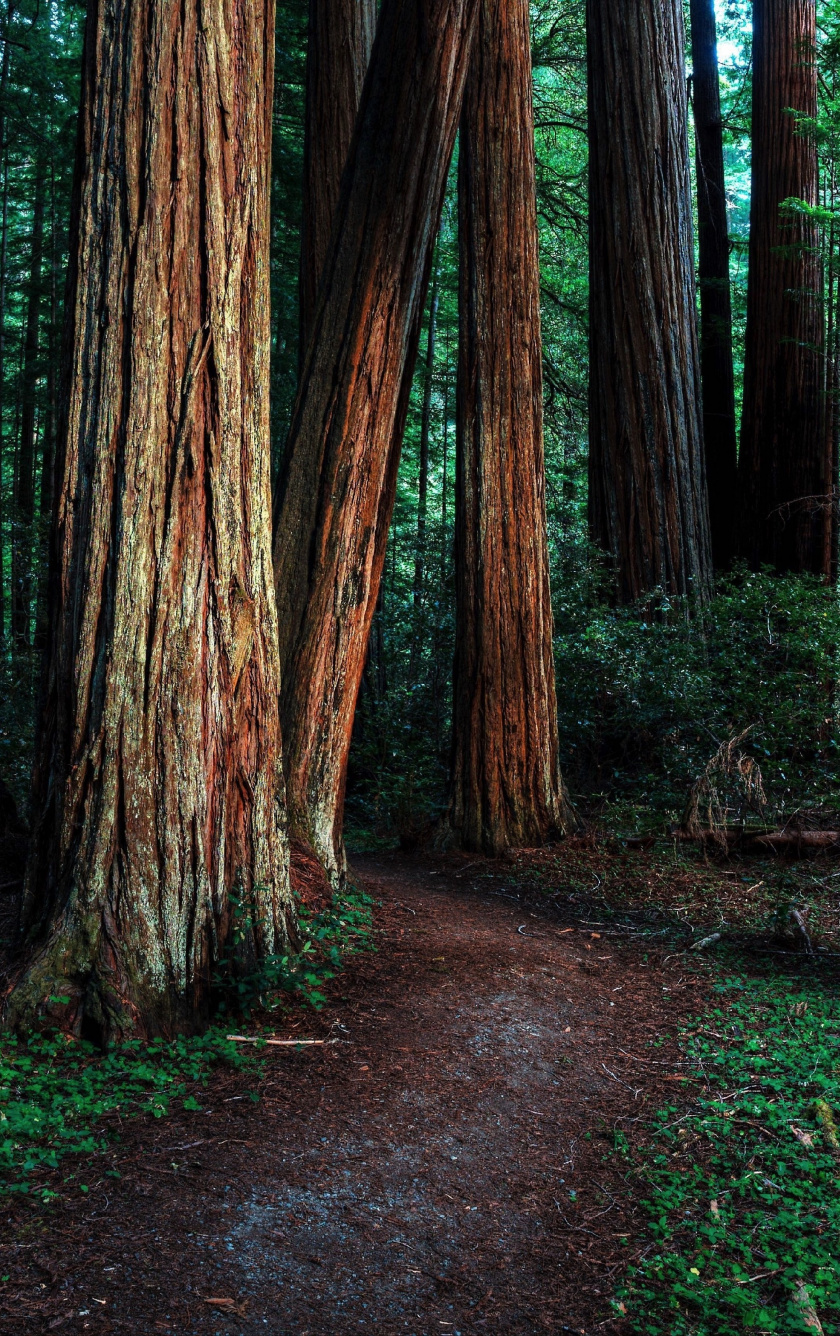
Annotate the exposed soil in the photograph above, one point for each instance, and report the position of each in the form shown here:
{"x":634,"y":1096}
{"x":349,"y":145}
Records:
{"x":444,"y":1167}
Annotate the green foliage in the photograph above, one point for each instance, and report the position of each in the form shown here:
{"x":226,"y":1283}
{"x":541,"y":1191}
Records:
{"x":325,"y":938}
{"x":755,"y":1214}
{"x":647,"y":694}
{"x":54,"y":1092}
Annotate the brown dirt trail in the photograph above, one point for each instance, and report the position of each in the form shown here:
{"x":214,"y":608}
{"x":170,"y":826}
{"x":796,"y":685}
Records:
{"x":445,"y":1167}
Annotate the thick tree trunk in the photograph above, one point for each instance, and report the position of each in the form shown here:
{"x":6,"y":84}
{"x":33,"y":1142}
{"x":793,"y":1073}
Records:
{"x":158,"y":783}
{"x":339,"y":43}
{"x":716,"y":367}
{"x":648,"y":507}
{"x":506,"y":787}
{"x":336,"y":489}
{"x":24,"y":502}
{"x":785,"y":469}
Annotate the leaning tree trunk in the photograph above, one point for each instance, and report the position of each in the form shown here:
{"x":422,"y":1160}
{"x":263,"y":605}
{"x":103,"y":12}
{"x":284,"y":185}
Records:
{"x":24,"y":501}
{"x":506,"y":787}
{"x":158,"y":783}
{"x":336,"y":489}
{"x":339,"y":43}
{"x":785,"y":468}
{"x":647,"y":488}
{"x":716,"y":367}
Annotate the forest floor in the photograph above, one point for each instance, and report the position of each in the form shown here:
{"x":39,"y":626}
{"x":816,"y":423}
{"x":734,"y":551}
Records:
{"x":446,"y":1165}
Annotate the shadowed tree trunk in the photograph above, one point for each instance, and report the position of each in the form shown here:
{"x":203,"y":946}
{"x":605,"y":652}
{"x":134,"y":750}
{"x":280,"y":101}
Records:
{"x":5,"y":66}
{"x":158,"y":784}
{"x":339,"y":43}
{"x":24,"y":507}
{"x":647,"y":489}
{"x":425,"y":438}
{"x":717,"y":372}
{"x":506,"y":787}
{"x":336,"y":489}
{"x":785,"y":466}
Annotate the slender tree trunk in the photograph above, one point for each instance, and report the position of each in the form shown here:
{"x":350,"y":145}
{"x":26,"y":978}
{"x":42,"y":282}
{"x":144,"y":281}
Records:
{"x":339,"y":43}
{"x":716,"y":367}
{"x":5,"y":66}
{"x":785,"y":501}
{"x":506,"y":787}
{"x":158,"y":783}
{"x":24,"y":510}
{"x":48,"y":439}
{"x":4,"y":250}
{"x":648,"y":507}
{"x":336,"y":489}
{"x":425,"y":438}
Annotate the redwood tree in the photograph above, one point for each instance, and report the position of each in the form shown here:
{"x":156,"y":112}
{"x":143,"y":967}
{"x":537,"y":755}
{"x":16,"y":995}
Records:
{"x":647,"y":489}
{"x":506,"y":776}
{"x":24,"y":501}
{"x":339,"y":42}
{"x":337,"y":484}
{"x":157,"y":789}
{"x":717,"y":372}
{"x":785,"y":467}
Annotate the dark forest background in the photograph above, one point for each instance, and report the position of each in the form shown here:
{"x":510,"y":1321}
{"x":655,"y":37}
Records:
{"x":646,"y":695}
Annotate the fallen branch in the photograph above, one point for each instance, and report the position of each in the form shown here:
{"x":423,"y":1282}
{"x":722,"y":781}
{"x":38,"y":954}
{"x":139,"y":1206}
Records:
{"x":279,"y":1043}
{"x":809,"y":1313}
{"x":826,"y":1120}
{"x":706,"y":941}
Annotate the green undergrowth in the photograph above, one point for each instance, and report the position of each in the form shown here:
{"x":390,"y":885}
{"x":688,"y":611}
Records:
{"x":325,"y":938}
{"x":60,"y":1097}
{"x":743,"y":1190}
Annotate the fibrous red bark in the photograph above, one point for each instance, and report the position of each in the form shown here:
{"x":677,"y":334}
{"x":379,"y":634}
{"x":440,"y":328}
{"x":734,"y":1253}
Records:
{"x":647,"y":488}
{"x":716,"y":366}
{"x":506,"y":786}
{"x":158,"y":785}
{"x":336,"y":488}
{"x":785,"y":471}
{"x":338,"y":46}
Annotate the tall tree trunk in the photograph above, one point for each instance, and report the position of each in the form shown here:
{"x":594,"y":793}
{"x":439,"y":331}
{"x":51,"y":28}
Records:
{"x":5,"y":66}
{"x":339,"y":43}
{"x":336,"y":489}
{"x":506,"y":787}
{"x":4,"y":251}
{"x":425,"y":439}
{"x":716,"y":367}
{"x":24,"y":502}
{"x":648,"y":507}
{"x":48,"y":439}
{"x":784,"y":467}
{"x":158,"y":782}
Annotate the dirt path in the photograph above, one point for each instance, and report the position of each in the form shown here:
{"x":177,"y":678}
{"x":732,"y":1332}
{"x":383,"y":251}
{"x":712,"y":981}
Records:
{"x":445,"y":1168}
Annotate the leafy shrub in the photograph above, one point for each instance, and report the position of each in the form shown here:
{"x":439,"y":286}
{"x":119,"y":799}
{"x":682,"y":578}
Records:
{"x":647,"y":695}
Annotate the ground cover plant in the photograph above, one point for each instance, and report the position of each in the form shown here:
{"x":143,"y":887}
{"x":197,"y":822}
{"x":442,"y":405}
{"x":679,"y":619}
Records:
{"x":62,"y":1098}
{"x":741,"y":1189}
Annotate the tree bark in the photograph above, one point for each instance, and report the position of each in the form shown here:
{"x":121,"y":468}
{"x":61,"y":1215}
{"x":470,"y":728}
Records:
{"x":716,"y":367}
{"x":425,"y":439}
{"x":786,"y":497}
{"x":157,"y":795}
{"x":5,"y":67}
{"x":506,"y":786}
{"x":336,"y":489}
{"x":648,"y":507}
{"x":24,"y":501}
{"x":339,"y":43}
